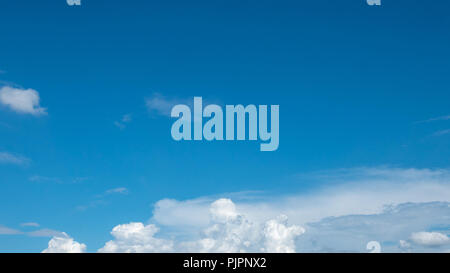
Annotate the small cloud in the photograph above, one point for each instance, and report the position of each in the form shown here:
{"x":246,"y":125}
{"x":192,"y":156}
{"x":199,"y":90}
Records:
{"x":45,"y":232}
{"x":121,"y":190}
{"x":442,"y":133}
{"x":100,"y":199}
{"x":430,"y":239}
{"x":161,"y":105}
{"x":63,"y":243}
{"x":30,"y":224}
{"x":122,"y":123}
{"x":23,"y":101}
{"x":38,"y":178}
{"x":46,"y":179}
{"x":8,"y":158}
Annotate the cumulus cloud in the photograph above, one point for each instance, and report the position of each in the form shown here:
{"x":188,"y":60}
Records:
{"x":431,"y":239}
{"x":357,"y":206}
{"x":447,"y":117}
{"x":63,"y":243}
{"x":8,"y":158}
{"x":402,"y":209}
{"x":136,"y":238}
{"x":229,"y":231}
{"x":24,"y":101}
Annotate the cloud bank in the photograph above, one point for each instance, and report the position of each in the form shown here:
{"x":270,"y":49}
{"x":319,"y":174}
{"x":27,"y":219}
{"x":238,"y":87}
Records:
{"x":404,"y":210}
{"x":64,"y":244}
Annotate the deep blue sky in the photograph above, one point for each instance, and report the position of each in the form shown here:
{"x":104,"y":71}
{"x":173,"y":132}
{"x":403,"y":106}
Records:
{"x":352,"y":81}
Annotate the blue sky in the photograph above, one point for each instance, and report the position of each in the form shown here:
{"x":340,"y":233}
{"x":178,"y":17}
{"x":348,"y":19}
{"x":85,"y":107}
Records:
{"x":358,"y":87}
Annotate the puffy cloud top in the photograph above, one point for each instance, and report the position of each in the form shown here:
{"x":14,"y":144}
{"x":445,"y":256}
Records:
{"x":64,"y":244}
{"x":135,"y":238}
{"x":229,"y":231}
{"x":24,"y":101}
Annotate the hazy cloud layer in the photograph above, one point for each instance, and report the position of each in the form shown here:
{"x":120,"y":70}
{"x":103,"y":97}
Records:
{"x":8,"y":158}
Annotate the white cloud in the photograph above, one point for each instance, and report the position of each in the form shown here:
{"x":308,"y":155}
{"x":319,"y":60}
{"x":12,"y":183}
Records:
{"x":160,"y":105}
{"x":431,"y":239}
{"x":442,"y":133}
{"x":121,"y":190}
{"x":64,"y":244}
{"x":279,"y":237}
{"x":364,"y":204}
{"x":8,"y":158}
{"x":122,"y":123}
{"x":70,"y":180}
{"x":233,"y":232}
{"x":24,"y":101}
{"x":351,"y":233}
{"x":45,"y":232}
{"x":229,"y":232}
{"x":348,"y":191}
{"x":357,"y":206}
{"x":136,"y":238}
{"x":30,"y":224}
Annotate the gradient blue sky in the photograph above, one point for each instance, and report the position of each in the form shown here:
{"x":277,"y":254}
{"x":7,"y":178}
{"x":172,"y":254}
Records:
{"x":353,"y":83}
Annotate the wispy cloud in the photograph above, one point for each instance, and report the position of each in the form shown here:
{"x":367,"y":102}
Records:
{"x":435,"y":119}
{"x":8,"y":231}
{"x":122,"y":123}
{"x":441,"y":133}
{"x":45,"y":232}
{"x":23,"y":101}
{"x":430,"y":239}
{"x":121,"y":190}
{"x":30,"y":224}
{"x":101,"y":199}
{"x":8,"y":158}
{"x":47,"y":179}
{"x":402,"y":209}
